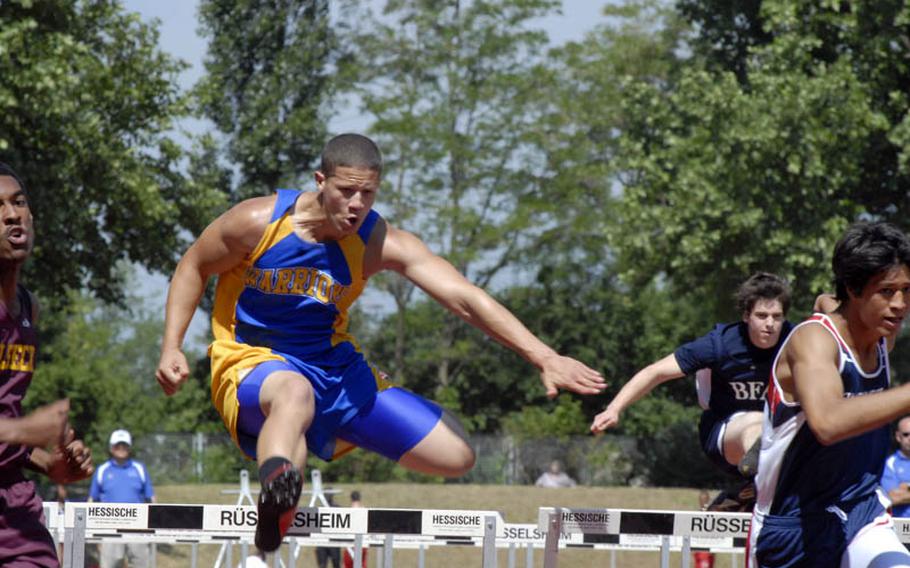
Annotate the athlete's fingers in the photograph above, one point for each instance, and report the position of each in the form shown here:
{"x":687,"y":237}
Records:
{"x":69,"y":435}
{"x":63,"y":411}
{"x":168,"y":381}
{"x":597,"y":385}
{"x":549,"y":386}
{"x":606,"y":419}
{"x":583,"y":386}
{"x":593,"y":373}
{"x":78,"y":452}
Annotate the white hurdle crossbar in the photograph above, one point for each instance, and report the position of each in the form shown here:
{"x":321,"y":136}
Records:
{"x":123,"y":522}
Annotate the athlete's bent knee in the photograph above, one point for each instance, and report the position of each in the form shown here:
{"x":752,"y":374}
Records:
{"x":463,"y":456}
{"x":292,"y":394}
{"x":460,"y":461}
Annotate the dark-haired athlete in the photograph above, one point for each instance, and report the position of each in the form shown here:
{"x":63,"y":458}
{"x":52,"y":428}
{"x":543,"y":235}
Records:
{"x":731,"y":366}
{"x":825,"y":432}
{"x":286,"y":375}
{"x":24,"y":539}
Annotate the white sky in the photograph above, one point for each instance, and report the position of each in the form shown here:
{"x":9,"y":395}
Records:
{"x":177,"y":26}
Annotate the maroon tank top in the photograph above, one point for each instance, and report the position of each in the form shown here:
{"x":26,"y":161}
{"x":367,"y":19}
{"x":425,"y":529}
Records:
{"x":18,"y":347}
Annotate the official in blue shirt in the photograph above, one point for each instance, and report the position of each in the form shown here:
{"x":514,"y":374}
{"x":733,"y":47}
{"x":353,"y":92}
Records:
{"x":122,"y":480}
{"x":732,"y":365}
{"x":896,"y":475}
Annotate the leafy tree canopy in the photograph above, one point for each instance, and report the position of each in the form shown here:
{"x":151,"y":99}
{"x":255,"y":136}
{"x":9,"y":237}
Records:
{"x":723,"y":178}
{"x":266,"y":84}
{"x":87,"y":104}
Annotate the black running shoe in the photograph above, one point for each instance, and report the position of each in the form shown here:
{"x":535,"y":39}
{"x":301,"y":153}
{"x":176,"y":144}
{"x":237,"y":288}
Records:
{"x":277,"y":505}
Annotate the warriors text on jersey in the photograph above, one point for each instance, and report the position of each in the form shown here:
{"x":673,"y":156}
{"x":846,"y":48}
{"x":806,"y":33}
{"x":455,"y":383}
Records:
{"x":288,"y":302}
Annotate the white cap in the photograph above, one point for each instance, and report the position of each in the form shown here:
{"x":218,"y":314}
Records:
{"x":121,"y":436}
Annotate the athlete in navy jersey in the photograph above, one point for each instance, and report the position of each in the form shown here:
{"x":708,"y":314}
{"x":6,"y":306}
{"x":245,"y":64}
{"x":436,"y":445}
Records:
{"x":287,"y":377}
{"x":825,"y":423}
{"x":731,"y":364}
{"x":24,"y":540}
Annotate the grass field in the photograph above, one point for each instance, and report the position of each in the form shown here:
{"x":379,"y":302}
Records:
{"x":518,"y":504}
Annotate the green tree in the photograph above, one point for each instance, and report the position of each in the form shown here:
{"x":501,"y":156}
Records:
{"x":868,"y":37}
{"x":450,"y":86}
{"x":581,"y":120}
{"x":266,"y":86}
{"x":87,"y":104}
{"x":726,"y":31}
{"x":722,"y":179}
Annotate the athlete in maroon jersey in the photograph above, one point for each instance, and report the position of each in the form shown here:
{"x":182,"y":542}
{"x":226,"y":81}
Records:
{"x":41,"y":441}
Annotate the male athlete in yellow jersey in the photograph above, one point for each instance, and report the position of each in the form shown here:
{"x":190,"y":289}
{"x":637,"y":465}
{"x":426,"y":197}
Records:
{"x":286,"y":375}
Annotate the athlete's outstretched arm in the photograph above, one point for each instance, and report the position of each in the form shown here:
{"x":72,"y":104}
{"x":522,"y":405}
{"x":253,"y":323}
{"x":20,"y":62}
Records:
{"x":812,"y":358}
{"x":638,"y":386}
{"x":406,"y":254}
{"x":221,"y":246}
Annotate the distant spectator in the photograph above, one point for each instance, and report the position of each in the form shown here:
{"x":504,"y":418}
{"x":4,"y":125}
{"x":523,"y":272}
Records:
{"x":326,"y":553}
{"x":554,"y":477}
{"x":896,"y":475}
{"x":348,"y":554}
{"x":704,"y":498}
{"x":122,"y":480}
{"x":703,"y":558}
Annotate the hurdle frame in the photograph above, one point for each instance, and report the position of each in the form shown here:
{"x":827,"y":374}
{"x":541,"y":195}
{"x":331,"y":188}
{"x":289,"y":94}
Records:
{"x":217,"y":523}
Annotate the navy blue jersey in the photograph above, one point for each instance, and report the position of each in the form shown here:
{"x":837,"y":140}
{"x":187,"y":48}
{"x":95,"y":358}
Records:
{"x":731,"y":373}
{"x":799,"y":475}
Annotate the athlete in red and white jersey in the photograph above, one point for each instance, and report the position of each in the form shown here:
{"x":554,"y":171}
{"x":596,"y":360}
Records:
{"x":825,"y":433}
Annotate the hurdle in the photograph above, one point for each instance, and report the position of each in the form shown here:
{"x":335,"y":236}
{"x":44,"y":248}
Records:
{"x":684,"y":531}
{"x":121,"y":522}
{"x":653,"y":530}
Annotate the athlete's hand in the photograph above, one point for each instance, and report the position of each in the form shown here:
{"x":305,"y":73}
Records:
{"x":173,"y":370}
{"x":609,"y":418}
{"x":564,"y":373}
{"x":45,"y":426}
{"x":825,"y":303}
{"x":71,"y":461}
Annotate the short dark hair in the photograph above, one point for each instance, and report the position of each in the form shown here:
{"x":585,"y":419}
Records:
{"x":350,"y":150}
{"x":866,"y":249}
{"x":7,"y":170}
{"x":355,"y":495}
{"x":762,"y":286}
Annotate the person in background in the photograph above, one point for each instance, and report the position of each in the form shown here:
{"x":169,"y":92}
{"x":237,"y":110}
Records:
{"x":326,"y":553}
{"x":347,"y":557}
{"x":122,"y":479}
{"x":555,"y":477}
{"x":731,"y":364}
{"x":896,"y":475}
{"x":703,"y":558}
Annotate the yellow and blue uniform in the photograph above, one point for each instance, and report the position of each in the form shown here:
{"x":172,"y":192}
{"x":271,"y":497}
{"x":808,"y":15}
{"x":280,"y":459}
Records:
{"x":285,"y":307}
